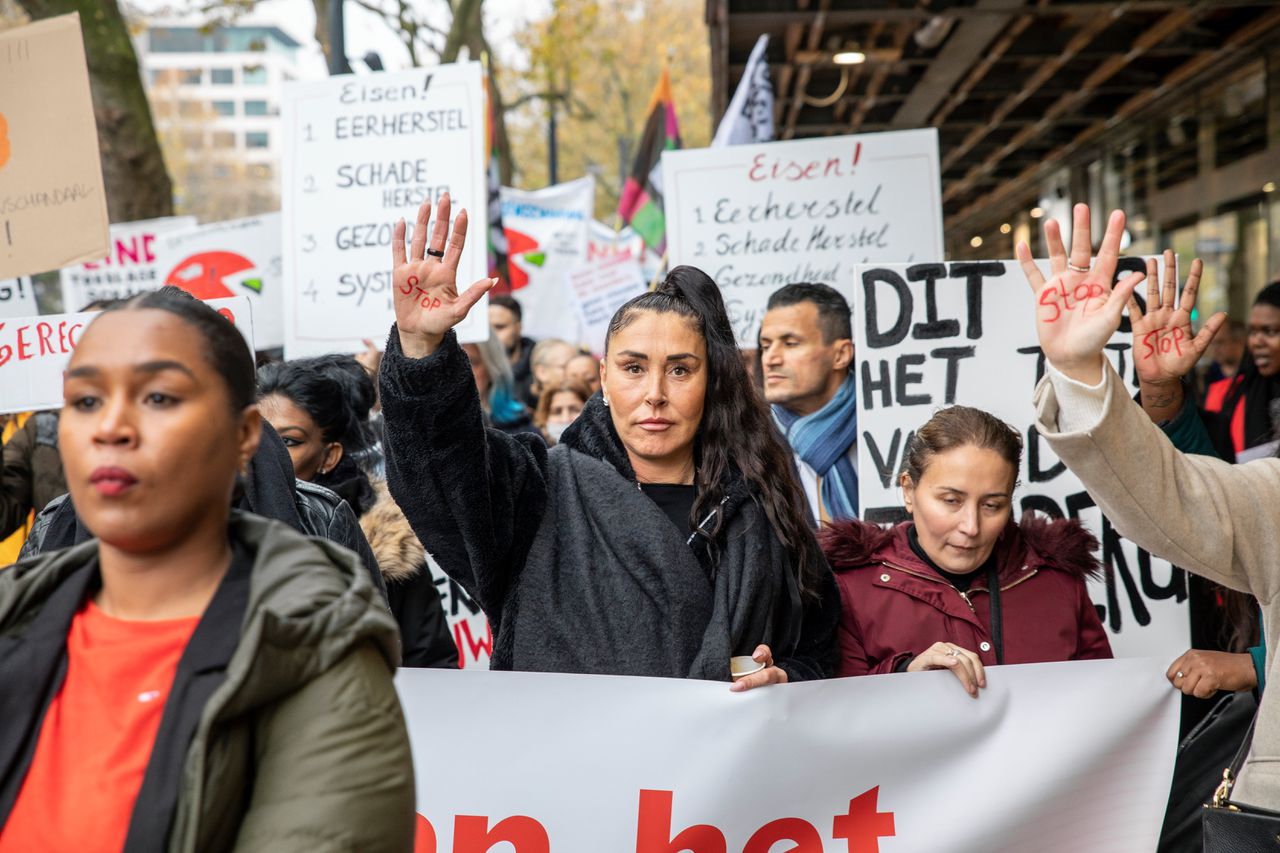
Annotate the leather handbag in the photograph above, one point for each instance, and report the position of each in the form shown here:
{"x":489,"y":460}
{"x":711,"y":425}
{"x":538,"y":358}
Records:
{"x":1230,"y":827}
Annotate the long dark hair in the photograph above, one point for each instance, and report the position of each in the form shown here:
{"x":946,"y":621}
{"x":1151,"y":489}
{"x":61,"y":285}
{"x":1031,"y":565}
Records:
{"x":333,"y":389}
{"x":737,"y":432}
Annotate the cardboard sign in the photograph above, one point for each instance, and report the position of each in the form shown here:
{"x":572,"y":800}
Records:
{"x":240,"y":257}
{"x":53,"y":208}
{"x":601,"y":288}
{"x":890,"y":763}
{"x":757,"y":217}
{"x":131,"y":266}
{"x":547,"y":237}
{"x":17,"y":298}
{"x":360,"y":153}
{"x":34,"y":352}
{"x":932,"y":335}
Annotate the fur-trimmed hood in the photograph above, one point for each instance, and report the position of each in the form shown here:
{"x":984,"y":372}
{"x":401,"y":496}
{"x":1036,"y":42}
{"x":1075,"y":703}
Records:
{"x":399,"y":553}
{"x":1037,"y":541}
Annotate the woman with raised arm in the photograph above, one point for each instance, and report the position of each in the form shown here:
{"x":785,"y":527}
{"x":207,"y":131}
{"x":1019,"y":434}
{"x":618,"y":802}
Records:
{"x":1214,"y":519}
{"x":662,"y":536}
{"x":196,"y":678}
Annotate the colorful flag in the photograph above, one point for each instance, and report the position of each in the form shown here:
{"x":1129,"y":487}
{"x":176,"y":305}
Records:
{"x":641,"y":203}
{"x":749,"y":117}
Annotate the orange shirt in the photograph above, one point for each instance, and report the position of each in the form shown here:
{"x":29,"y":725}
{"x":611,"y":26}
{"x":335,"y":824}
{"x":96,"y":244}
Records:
{"x":97,"y":735}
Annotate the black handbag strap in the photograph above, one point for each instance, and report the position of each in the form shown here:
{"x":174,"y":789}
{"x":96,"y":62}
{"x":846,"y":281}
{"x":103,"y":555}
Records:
{"x":997,"y":627}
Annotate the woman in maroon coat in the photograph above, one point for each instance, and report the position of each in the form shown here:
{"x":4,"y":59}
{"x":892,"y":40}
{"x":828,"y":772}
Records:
{"x":917,"y":596}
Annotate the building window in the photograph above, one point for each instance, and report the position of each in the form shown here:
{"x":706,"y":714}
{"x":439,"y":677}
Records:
{"x":191,"y":76}
{"x":220,"y":171}
{"x":255,"y":75}
{"x":262,"y":171}
{"x":193,"y":140}
{"x":256,"y":139}
{"x":257,"y":108}
{"x":224,"y":139}
{"x":190,"y":109}
{"x":224,"y":108}
{"x":162,"y":109}
{"x":222,"y":76}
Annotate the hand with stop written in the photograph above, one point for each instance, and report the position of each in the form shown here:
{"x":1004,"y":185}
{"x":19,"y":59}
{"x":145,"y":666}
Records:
{"x":1077,"y":309}
{"x":424,"y":281}
{"x":1164,"y":347}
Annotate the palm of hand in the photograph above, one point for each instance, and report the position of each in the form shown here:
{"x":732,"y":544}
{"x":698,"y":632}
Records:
{"x":426,"y":296}
{"x":1072,"y":317}
{"x":1162,"y":343}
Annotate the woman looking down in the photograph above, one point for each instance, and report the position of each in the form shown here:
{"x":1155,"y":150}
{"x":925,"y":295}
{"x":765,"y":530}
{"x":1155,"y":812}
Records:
{"x":195,"y":678}
{"x":663,"y":535}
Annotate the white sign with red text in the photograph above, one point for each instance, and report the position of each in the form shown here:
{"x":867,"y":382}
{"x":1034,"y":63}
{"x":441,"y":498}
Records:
{"x":34,"y":352}
{"x":891,"y":763}
{"x":468,"y":625}
{"x":600,"y":288}
{"x":131,"y":266}
{"x":757,"y":217}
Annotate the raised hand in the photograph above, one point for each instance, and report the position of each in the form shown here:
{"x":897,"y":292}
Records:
{"x":1078,"y":310}
{"x":1164,"y":346}
{"x":427,"y":301}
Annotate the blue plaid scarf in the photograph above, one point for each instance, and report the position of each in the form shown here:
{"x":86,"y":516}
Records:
{"x":823,"y":440}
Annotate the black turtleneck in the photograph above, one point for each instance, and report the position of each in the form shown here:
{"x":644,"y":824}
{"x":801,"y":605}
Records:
{"x":675,"y":500}
{"x":960,"y":582}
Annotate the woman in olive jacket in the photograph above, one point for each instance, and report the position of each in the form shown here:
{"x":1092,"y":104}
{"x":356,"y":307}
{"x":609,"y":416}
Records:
{"x":267,"y":718}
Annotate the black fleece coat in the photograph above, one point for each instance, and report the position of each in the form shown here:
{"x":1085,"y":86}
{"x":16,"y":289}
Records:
{"x":576,"y":568}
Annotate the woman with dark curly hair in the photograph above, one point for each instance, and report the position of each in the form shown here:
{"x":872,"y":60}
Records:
{"x":663,"y":535}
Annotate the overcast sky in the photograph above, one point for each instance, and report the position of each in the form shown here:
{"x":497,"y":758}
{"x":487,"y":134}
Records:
{"x":365,"y":30}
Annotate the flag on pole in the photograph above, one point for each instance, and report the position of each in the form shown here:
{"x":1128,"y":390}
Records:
{"x":497,"y":238}
{"x":641,"y":203}
{"x":749,"y":117}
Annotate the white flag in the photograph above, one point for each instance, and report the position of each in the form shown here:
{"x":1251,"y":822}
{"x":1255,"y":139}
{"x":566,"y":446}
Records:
{"x":750,"y":114}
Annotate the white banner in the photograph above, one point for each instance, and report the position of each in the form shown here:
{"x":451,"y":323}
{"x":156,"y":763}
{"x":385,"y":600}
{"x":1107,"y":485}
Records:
{"x":17,"y":298}
{"x":239,"y":257}
{"x":1052,"y":758}
{"x":601,"y":288}
{"x":604,"y":242}
{"x":34,"y":352}
{"x":930,"y":335}
{"x":130,"y":267}
{"x":547,"y":236}
{"x":467,"y":623}
{"x":757,"y":217}
{"x":361,"y":152}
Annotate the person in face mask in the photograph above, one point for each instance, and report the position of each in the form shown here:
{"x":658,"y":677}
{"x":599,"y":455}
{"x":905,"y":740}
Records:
{"x":560,"y":406}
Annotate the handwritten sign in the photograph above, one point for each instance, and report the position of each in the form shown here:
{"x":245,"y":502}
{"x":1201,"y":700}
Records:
{"x":34,"y":352}
{"x":130,"y":267}
{"x":933,"y":335}
{"x":17,"y":298}
{"x":240,"y":257}
{"x":601,"y":288}
{"x":757,"y":217}
{"x":604,"y":242}
{"x":360,"y":153}
{"x":879,"y":764}
{"x":53,"y":209}
{"x":547,"y":238}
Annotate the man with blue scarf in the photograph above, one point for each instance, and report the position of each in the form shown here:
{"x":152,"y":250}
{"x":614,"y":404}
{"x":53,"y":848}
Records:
{"x":806,"y":355}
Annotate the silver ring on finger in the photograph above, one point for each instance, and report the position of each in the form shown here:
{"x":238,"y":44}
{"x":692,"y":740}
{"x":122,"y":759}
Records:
{"x":1075,"y":268}
{"x":955,"y":652}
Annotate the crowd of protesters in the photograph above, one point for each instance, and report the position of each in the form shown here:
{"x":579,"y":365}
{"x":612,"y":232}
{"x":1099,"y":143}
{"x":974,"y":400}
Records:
{"x":257,"y":550}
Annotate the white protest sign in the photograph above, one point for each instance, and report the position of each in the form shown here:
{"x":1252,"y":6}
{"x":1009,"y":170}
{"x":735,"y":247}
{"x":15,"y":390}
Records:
{"x":468,"y":625}
{"x":240,"y":257}
{"x":547,"y":237}
{"x":17,"y":298}
{"x":604,"y":242}
{"x":53,"y":210}
{"x":34,"y":352}
{"x":757,"y":217}
{"x":930,"y":335}
{"x":601,"y":288}
{"x":360,"y":153}
{"x":592,"y":763}
{"x":130,"y":266}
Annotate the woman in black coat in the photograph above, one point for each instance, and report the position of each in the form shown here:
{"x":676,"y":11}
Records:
{"x":666,"y":532}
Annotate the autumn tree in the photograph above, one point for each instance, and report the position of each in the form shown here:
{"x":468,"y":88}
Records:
{"x":598,"y":62}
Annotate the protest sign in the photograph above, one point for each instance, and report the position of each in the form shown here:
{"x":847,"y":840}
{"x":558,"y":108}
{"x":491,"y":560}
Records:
{"x":35,"y":350}
{"x":240,"y":257}
{"x":757,"y":217}
{"x":604,"y":242}
{"x":468,"y":625}
{"x":53,"y":209}
{"x":601,"y":288}
{"x":590,"y":763}
{"x":359,"y":154}
{"x":930,"y":335}
{"x":130,"y":267}
{"x":547,"y":237}
{"x":17,"y":298}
